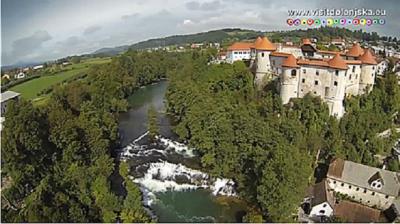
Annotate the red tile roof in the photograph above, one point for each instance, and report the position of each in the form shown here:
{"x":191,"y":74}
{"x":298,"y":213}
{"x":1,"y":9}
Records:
{"x":313,"y":62}
{"x":355,"y":51}
{"x":338,"y":62}
{"x":240,"y":46}
{"x":354,"y":212}
{"x":353,"y":62}
{"x":306,"y":41}
{"x":367,"y":58}
{"x":265,"y":44}
{"x":257,"y":41}
{"x":280,"y":54}
{"x":290,"y":62}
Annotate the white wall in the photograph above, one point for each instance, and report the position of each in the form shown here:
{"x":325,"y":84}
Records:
{"x":322,"y":209}
{"x":361,"y":195}
{"x":237,"y":55}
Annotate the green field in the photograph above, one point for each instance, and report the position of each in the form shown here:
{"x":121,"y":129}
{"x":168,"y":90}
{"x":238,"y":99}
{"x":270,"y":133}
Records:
{"x":30,"y":89}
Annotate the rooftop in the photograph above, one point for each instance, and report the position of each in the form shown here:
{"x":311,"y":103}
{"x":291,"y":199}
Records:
{"x":8,"y":95}
{"x":265,"y":44}
{"x":240,"y":46}
{"x":290,"y":61}
{"x":337,"y":62}
{"x":355,"y":51}
{"x":359,"y":175}
{"x":367,"y":58}
{"x":354,"y":212}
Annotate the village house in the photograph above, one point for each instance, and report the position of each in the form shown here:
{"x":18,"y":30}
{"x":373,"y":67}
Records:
{"x":354,"y":193}
{"x":6,"y":98}
{"x":19,"y":75}
{"x":238,"y":51}
{"x":38,"y":67}
{"x":367,"y":185}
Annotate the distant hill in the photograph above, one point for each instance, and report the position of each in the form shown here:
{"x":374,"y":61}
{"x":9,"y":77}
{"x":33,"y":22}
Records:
{"x":210,"y":36}
{"x":235,"y":34}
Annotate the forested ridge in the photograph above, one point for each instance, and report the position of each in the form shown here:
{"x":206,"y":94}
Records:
{"x":271,"y":149}
{"x":56,"y":159}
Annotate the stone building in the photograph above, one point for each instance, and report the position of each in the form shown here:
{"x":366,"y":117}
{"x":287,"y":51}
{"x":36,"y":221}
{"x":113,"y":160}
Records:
{"x":330,"y":75}
{"x":364,"y":184}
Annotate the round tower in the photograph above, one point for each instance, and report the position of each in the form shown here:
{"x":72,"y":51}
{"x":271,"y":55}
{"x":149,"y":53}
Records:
{"x":368,"y":71}
{"x":289,"y":79}
{"x":262,"y":62}
{"x":354,"y":52}
{"x":253,"y":53}
{"x":335,"y":93}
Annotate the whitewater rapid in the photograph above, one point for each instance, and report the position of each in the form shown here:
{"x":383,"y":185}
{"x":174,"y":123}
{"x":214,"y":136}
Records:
{"x":156,"y":169}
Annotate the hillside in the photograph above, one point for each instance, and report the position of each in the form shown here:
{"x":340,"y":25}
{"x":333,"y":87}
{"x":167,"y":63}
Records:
{"x":235,"y":34}
{"x":210,"y":36}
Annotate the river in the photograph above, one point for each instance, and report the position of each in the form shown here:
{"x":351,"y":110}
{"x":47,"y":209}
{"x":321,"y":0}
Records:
{"x":168,"y":171}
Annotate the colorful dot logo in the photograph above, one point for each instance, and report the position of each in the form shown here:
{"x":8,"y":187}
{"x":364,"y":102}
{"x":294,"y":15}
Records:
{"x":334,"y":22}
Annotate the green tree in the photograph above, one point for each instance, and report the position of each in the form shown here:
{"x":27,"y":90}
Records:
{"x":152,"y":122}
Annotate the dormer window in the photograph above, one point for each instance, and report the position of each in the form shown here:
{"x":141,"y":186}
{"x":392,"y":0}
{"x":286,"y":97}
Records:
{"x":376,"y":181}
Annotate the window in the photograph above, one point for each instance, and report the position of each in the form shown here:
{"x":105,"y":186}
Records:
{"x":349,"y":186}
{"x":373,"y":68}
{"x":317,"y":73}
{"x":337,"y":72}
{"x":326,"y":94}
{"x":334,"y":180}
{"x":354,"y":68}
{"x":357,"y":189}
{"x":324,"y":205}
{"x":373,"y":193}
{"x":350,"y":77}
{"x":316,"y":82}
{"x":303,"y":80}
{"x":365,"y":190}
{"x":262,"y":54}
{"x":273,"y":62}
{"x":293,"y":72}
{"x":335,"y":83}
{"x":387,"y":196}
{"x":342,"y":185}
{"x":315,"y":92}
{"x":304,"y":71}
{"x":322,"y":211}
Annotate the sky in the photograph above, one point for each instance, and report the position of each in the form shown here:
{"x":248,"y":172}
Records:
{"x":40,"y":30}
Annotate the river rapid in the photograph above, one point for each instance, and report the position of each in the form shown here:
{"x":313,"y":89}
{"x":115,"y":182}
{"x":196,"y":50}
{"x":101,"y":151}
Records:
{"x":167,"y":171}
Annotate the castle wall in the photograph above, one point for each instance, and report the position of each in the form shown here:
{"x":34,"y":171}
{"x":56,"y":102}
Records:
{"x":361,"y":195}
{"x":276,"y":64}
{"x":289,"y":84}
{"x":353,"y":80}
{"x":367,"y":78}
{"x":263,"y":67}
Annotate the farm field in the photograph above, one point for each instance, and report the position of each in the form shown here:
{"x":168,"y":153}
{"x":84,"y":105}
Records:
{"x":31,"y":88}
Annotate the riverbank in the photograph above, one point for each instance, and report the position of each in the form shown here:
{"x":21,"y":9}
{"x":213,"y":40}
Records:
{"x":168,"y":172}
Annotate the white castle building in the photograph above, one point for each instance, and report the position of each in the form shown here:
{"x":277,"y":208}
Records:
{"x":302,"y":70}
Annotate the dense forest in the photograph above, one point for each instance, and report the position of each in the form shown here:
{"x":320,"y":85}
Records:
{"x":56,"y":159}
{"x":271,"y":149}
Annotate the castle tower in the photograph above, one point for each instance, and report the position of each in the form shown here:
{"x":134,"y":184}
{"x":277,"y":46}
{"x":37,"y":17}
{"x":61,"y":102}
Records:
{"x":354,"y":52}
{"x":335,"y":93}
{"x":253,"y":53}
{"x":289,"y":79}
{"x":368,"y":70}
{"x":262,"y":62}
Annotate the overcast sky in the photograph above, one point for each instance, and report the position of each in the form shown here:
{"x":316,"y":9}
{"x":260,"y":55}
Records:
{"x":38,"y":30}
